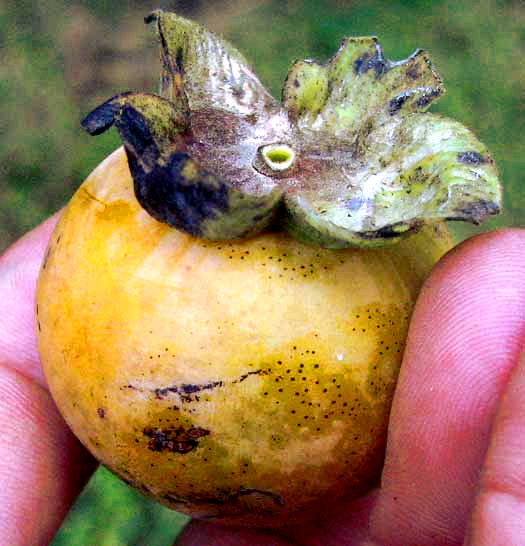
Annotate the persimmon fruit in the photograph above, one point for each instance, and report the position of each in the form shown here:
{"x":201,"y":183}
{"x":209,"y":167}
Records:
{"x":248,"y":381}
{"x":224,"y":303}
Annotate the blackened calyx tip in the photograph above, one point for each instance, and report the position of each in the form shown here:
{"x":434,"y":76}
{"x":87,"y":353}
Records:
{"x":103,"y":117}
{"x":99,"y":120}
{"x":153,"y":16}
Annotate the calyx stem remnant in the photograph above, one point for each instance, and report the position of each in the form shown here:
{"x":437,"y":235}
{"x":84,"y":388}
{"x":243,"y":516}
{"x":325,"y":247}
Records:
{"x":350,"y":156}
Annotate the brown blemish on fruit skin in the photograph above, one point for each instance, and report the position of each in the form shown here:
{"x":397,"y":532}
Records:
{"x":225,"y":501}
{"x":232,"y":497}
{"x":185,"y":391}
{"x":190,"y":392}
{"x":180,"y":440}
{"x":38,"y":324}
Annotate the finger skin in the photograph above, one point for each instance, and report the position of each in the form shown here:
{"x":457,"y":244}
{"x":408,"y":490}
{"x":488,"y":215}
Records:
{"x":19,"y":267}
{"x":499,"y":514}
{"x":198,"y":533}
{"x":42,"y":466}
{"x":466,"y":333}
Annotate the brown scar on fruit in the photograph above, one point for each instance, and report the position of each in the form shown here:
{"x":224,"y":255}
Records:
{"x":93,"y":197}
{"x":180,"y":440}
{"x":232,"y":497}
{"x":188,"y":392}
{"x":185,"y":391}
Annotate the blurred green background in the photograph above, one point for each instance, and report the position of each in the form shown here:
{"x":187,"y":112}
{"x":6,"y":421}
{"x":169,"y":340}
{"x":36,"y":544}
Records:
{"x":60,"y":59}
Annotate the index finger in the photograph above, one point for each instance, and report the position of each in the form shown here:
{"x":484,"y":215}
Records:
{"x":463,"y":343}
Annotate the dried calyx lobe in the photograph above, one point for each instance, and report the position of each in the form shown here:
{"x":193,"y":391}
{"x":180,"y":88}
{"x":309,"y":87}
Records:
{"x":349,"y":157}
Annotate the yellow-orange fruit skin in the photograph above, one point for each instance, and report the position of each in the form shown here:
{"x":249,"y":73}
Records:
{"x":247,"y":381}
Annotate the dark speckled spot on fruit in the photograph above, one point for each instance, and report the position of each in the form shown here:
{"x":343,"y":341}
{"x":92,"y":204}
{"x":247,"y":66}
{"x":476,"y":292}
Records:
{"x":185,"y":391}
{"x":180,"y":440}
{"x":189,"y":392}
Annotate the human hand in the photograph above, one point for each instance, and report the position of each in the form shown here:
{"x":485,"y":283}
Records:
{"x":457,"y":436}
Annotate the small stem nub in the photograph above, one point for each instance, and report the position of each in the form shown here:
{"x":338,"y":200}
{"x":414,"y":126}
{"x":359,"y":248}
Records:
{"x":278,"y":157}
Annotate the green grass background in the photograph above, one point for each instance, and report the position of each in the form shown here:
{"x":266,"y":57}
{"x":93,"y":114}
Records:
{"x":60,"y":59}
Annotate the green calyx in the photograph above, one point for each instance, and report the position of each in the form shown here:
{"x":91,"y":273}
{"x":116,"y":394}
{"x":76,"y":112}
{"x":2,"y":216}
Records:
{"x":349,"y":157}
